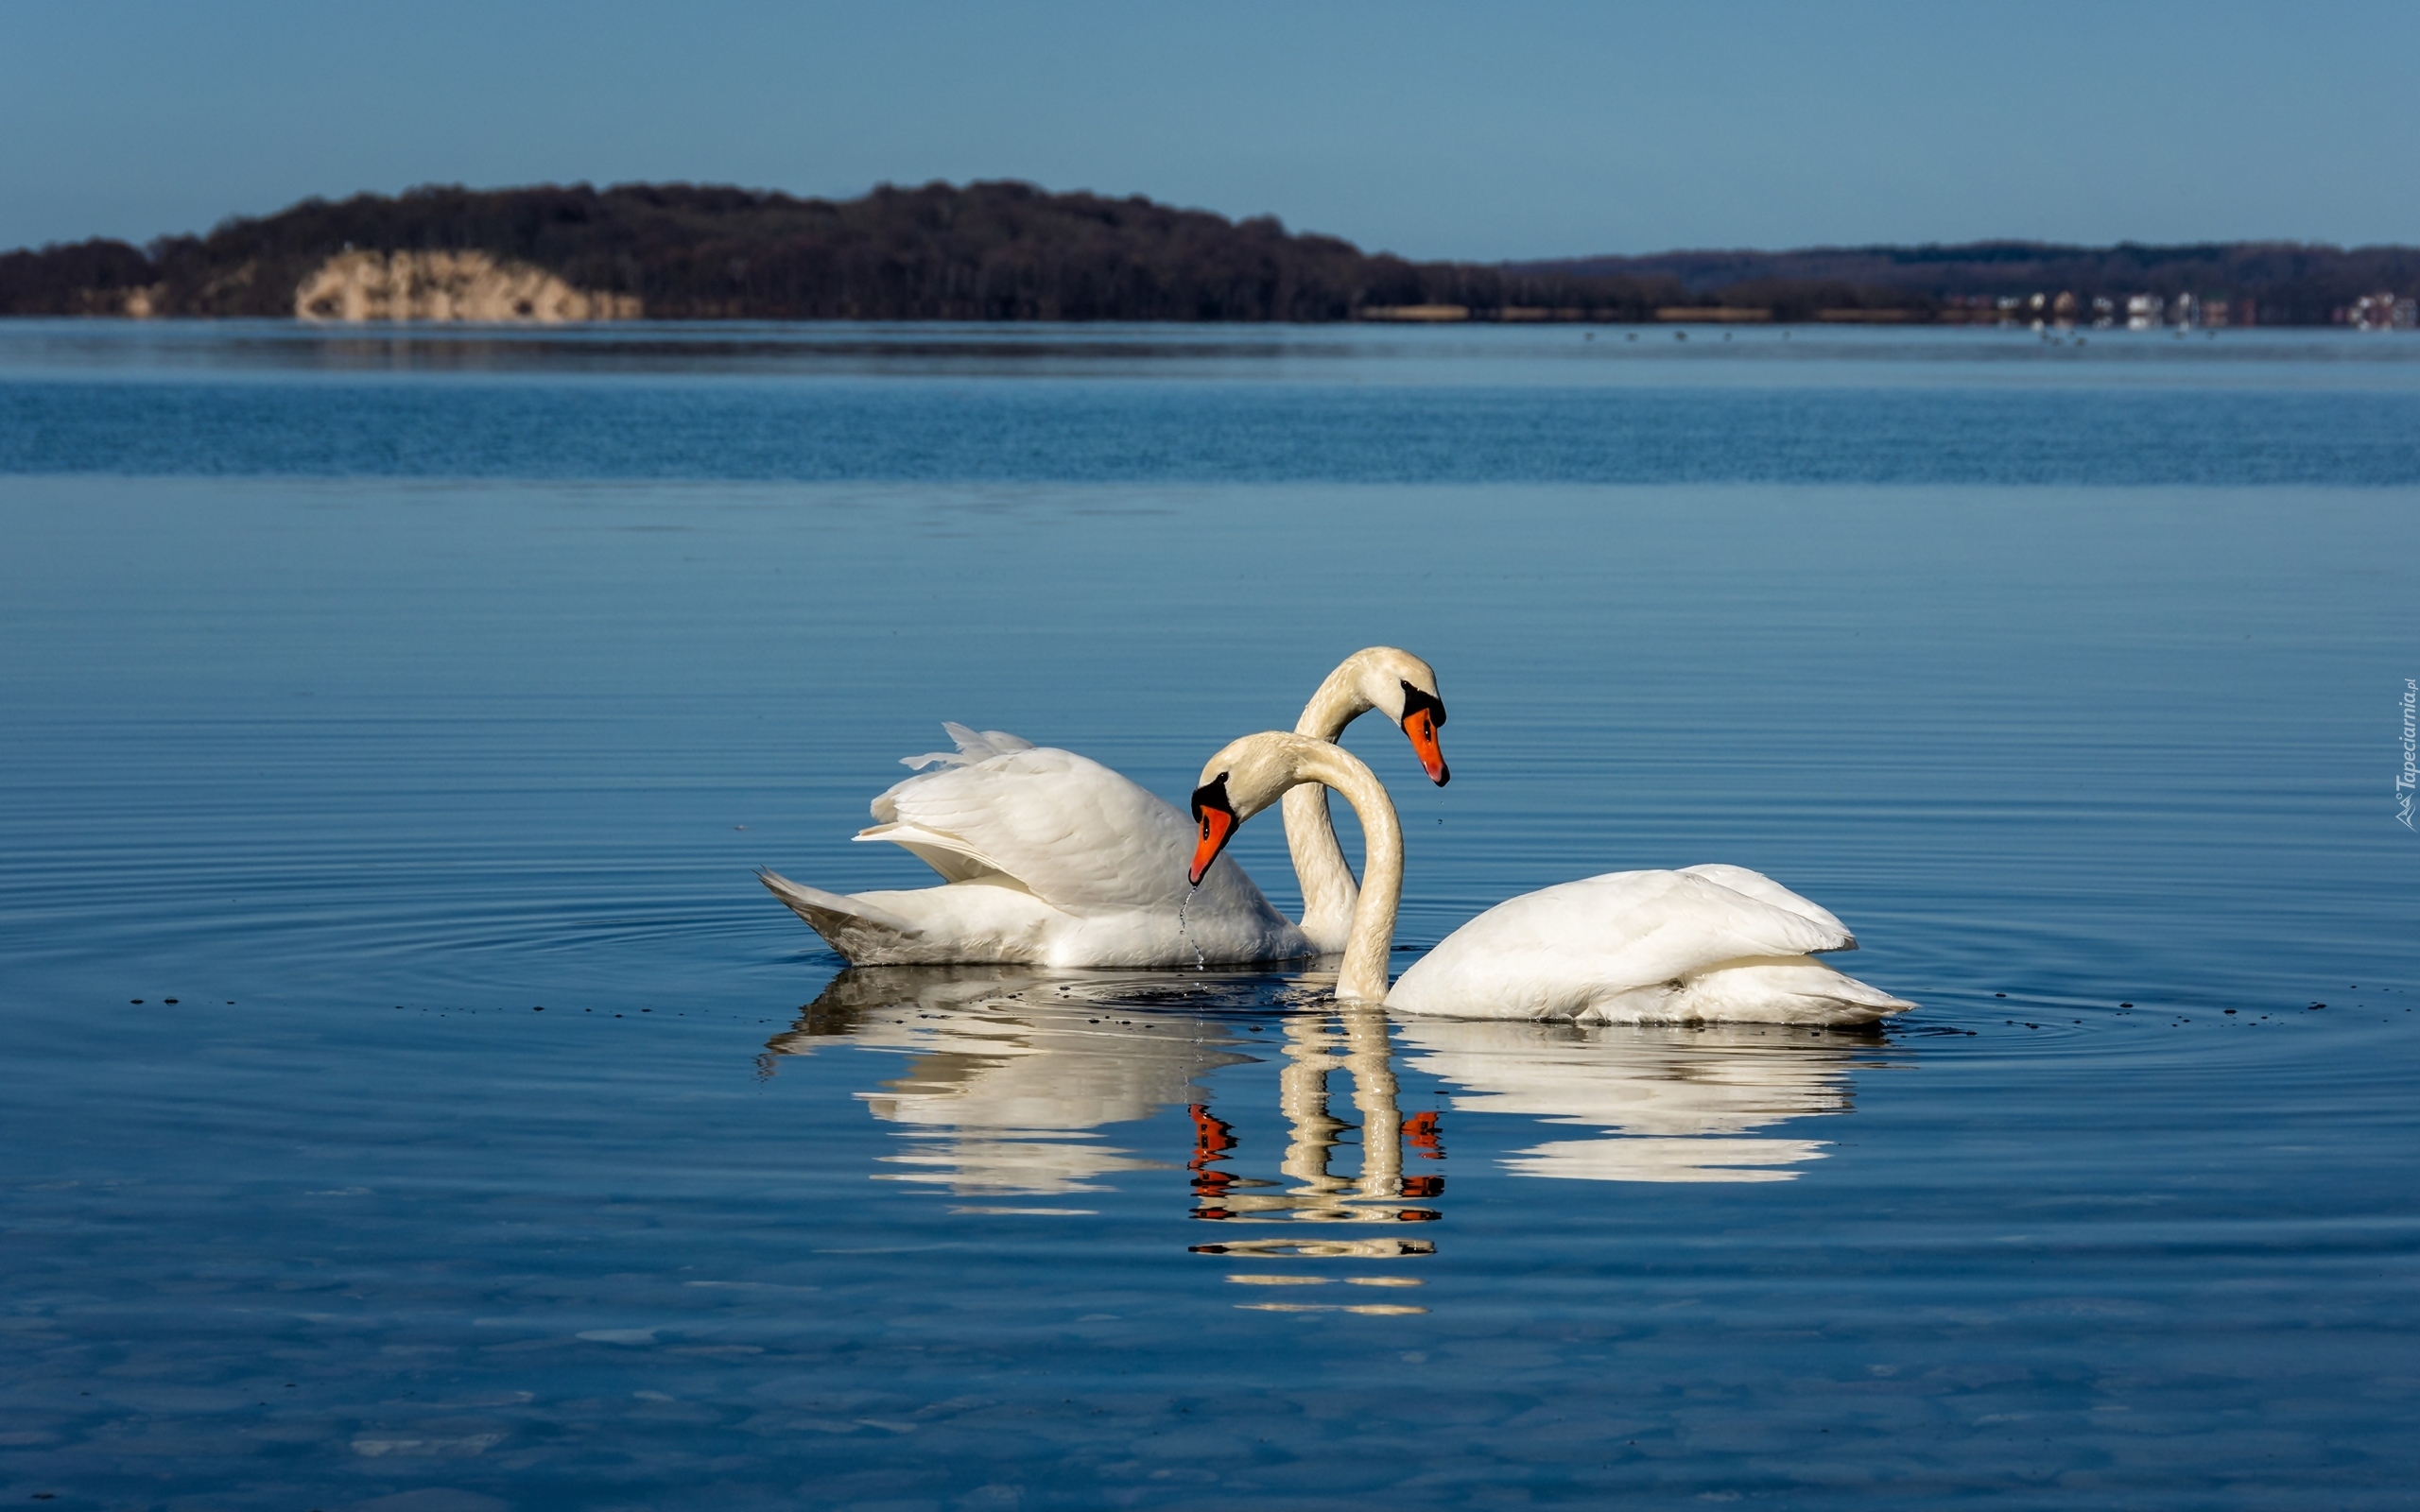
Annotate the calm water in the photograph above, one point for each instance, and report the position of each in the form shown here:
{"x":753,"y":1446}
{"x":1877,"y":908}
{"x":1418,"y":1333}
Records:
{"x":364,"y":694}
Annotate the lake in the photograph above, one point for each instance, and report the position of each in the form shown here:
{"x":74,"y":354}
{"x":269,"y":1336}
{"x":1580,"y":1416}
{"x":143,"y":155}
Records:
{"x":360,"y":684}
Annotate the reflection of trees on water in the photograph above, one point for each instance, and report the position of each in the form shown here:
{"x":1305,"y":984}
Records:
{"x":1011,"y":1074}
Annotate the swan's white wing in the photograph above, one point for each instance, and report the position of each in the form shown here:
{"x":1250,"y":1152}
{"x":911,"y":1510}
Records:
{"x":1765,"y":890}
{"x":1066,"y":829}
{"x":973,"y":745}
{"x":1557,"y":952}
{"x":1051,"y":859}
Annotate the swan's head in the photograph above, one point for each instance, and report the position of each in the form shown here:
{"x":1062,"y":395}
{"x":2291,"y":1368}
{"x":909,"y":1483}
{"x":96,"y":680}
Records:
{"x":1247,"y":777}
{"x":1404,"y":688}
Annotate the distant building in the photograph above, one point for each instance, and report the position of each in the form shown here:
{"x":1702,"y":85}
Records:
{"x":2382,"y":312}
{"x":2142,"y":311}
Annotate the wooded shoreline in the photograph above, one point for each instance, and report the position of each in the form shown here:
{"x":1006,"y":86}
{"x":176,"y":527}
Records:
{"x":1011,"y":252}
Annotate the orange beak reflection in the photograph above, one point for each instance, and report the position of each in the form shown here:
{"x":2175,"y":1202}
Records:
{"x":1218,"y":827}
{"x":1421,"y":724}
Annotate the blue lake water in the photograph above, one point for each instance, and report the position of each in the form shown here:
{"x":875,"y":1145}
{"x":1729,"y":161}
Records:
{"x":365,"y":694}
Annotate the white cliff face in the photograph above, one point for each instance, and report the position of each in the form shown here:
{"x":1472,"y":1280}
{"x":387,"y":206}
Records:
{"x":358,"y":286}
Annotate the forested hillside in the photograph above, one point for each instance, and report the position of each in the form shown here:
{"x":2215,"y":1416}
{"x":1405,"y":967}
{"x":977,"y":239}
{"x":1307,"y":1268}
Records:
{"x":1011,"y":252}
{"x":987,"y":252}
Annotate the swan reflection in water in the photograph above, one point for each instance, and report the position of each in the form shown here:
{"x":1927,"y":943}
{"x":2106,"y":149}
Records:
{"x":1015,"y":1071}
{"x":1671,"y":1103}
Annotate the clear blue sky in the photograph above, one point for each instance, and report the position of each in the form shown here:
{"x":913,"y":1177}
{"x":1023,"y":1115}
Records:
{"x":1480,"y":131}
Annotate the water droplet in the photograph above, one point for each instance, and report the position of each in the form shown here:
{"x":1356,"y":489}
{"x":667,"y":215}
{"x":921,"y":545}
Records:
{"x":1200,"y":962}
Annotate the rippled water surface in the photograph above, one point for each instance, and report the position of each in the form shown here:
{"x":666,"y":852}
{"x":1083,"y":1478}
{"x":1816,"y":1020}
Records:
{"x":414,"y":1102}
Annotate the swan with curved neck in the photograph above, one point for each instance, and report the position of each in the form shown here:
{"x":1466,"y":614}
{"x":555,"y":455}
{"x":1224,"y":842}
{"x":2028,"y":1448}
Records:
{"x":1380,"y":678}
{"x":1709,"y":942}
{"x":1049,"y":859}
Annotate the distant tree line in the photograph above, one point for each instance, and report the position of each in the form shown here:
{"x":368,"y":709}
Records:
{"x":2289,"y":283}
{"x":987,"y":252}
{"x":1011,"y":252}
{"x":84,"y":277}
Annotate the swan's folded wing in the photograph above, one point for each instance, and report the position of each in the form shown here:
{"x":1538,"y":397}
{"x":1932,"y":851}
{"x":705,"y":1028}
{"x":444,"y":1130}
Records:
{"x":955,"y":858}
{"x":1068,"y":829}
{"x":1660,"y":924}
{"x":1551,"y":953}
{"x":1765,"y":890}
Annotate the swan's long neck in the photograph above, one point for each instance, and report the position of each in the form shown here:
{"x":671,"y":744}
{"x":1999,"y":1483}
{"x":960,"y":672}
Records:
{"x":1363,"y":976}
{"x":1328,"y":888}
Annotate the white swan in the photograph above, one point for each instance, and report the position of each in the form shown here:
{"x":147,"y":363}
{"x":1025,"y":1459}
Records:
{"x":1049,"y":859}
{"x":1711,"y":942}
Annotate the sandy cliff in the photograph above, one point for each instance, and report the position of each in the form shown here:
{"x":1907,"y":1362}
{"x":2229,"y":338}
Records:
{"x":447,"y":286}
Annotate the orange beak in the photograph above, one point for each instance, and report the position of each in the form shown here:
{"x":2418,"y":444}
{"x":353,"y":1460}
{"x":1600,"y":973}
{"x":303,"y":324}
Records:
{"x":1421,"y":724}
{"x":1218,"y":828}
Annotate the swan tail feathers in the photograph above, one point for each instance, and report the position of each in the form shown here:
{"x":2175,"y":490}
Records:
{"x":859,"y":931}
{"x":1788,"y":991}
